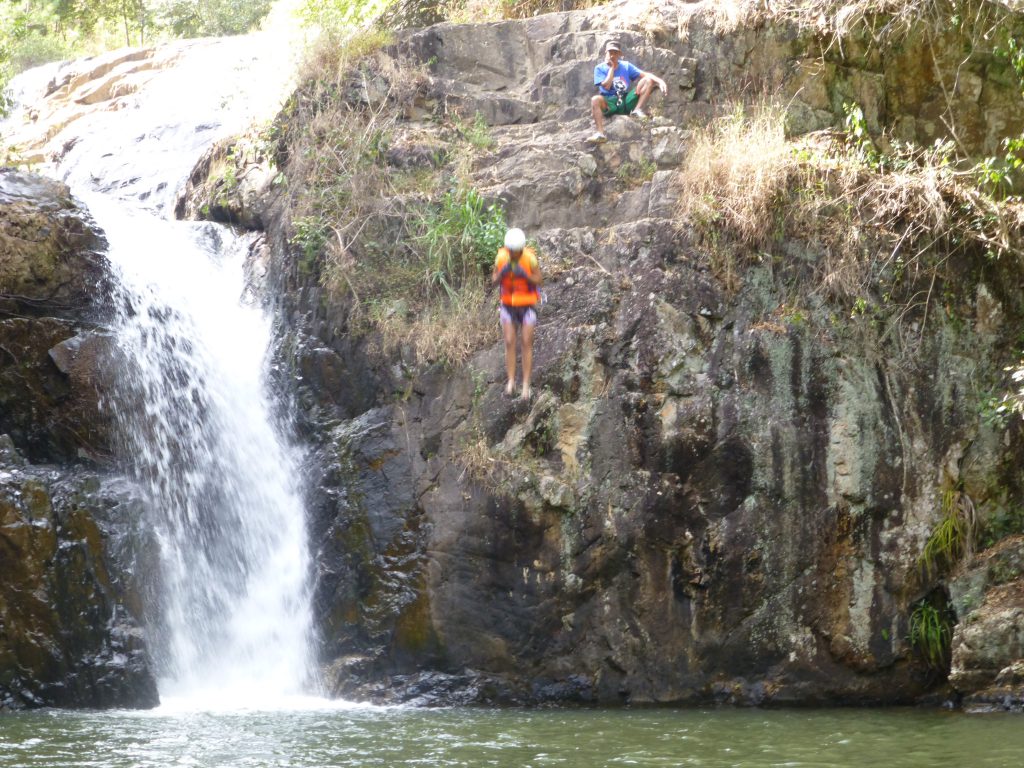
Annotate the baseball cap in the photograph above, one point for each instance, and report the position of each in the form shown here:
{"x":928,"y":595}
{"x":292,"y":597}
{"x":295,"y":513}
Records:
{"x":613,"y":45}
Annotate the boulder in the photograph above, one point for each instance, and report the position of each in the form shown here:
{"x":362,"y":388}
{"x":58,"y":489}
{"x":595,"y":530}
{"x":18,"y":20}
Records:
{"x":68,"y":634}
{"x":55,"y":292}
{"x":51,"y":253}
{"x":988,"y":642}
{"x":230,"y":184}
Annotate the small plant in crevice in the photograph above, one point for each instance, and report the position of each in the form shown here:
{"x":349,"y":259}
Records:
{"x":858,"y":138}
{"x":954,"y":537}
{"x":1003,"y":517}
{"x":458,"y":239}
{"x":931,"y":634}
{"x":995,"y":410}
{"x":478,"y":133}
{"x":632,"y":174}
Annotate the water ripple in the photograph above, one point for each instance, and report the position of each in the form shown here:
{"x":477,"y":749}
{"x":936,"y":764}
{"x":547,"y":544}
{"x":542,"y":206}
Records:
{"x":365,"y":737}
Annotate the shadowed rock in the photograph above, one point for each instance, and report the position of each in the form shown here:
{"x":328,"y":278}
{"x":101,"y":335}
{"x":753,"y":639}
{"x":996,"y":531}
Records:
{"x":54,"y":291}
{"x":67,"y":635}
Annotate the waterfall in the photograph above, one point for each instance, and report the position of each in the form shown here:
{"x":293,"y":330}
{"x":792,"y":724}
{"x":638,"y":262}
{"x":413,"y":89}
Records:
{"x":222,"y":483}
{"x":200,"y":434}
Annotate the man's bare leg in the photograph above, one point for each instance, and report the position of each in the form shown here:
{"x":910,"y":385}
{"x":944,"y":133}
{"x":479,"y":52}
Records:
{"x":597,"y":108}
{"x":527,"y":341}
{"x":644,"y":88}
{"x":508,"y":331}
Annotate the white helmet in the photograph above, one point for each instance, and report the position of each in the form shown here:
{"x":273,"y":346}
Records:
{"x":515,"y":239}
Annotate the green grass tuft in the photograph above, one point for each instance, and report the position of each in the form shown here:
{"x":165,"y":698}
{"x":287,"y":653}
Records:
{"x":931,"y":634}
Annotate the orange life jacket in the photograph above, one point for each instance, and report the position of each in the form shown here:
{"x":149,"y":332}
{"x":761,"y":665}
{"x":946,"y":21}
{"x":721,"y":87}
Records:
{"x":517,"y":291}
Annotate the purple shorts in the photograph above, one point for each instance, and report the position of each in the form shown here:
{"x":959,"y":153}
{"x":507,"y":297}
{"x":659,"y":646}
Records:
{"x":517,"y":315}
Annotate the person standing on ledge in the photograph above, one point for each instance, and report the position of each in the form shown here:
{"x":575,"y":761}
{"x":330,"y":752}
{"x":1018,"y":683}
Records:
{"x":517,"y":272}
{"x":623,"y":89}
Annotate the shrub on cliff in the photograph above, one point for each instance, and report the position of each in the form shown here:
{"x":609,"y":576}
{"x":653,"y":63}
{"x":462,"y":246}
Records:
{"x":381,"y":211}
{"x":202,"y":18}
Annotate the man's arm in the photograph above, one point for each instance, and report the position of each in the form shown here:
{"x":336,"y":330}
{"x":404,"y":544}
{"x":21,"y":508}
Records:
{"x":500,"y":269}
{"x":657,"y":80}
{"x":605,"y":83}
{"x":533,"y":276}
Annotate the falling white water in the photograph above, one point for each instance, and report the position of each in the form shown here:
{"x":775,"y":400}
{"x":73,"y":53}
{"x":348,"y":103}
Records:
{"x":223,"y":485}
{"x":233,"y":624}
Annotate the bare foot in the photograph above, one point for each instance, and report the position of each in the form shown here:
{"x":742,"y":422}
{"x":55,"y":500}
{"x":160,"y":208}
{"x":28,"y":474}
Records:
{"x":510,"y":388}
{"x":526,"y":392}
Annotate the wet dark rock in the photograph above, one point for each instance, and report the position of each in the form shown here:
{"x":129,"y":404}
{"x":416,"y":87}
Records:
{"x":439,"y":689}
{"x":54,"y":291}
{"x":71,"y":553}
{"x":69,"y":637}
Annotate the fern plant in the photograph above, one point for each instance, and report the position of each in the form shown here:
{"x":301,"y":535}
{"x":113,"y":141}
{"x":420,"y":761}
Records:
{"x":930,"y":634}
{"x":953,"y":538}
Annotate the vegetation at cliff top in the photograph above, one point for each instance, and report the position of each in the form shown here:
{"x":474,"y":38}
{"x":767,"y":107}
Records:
{"x":34,"y":32}
{"x":838,"y":18}
{"x":409,"y":242}
{"x":886,"y":213}
{"x":898,"y":215}
{"x":344,"y":14}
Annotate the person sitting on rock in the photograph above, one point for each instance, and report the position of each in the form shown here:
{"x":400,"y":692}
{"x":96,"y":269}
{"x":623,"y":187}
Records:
{"x":517,"y":272}
{"x":623,"y":89}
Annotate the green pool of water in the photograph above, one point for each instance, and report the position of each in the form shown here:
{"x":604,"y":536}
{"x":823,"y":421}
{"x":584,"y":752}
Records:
{"x":392,"y":738}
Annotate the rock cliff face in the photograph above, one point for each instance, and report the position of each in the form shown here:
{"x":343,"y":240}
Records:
{"x":69,"y":614}
{"x":718,"y":493}
{"x":723,"y":487}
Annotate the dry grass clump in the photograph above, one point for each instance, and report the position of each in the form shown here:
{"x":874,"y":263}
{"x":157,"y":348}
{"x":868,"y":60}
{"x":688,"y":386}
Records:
{"x":334,"y":134}
{"x":449,"y":330}
{"x":476,"y":11}
{"x":736,"y":171}
{"x":894,"y":219}
{"x":881,"y":19}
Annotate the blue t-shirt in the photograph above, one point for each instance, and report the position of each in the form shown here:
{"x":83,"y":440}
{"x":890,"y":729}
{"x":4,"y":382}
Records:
{"x":625,"y":74}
